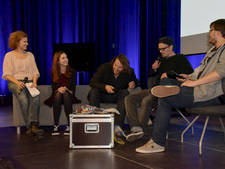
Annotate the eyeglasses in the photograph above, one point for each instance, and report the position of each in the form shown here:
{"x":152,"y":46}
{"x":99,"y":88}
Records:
{"x":163,"y":48}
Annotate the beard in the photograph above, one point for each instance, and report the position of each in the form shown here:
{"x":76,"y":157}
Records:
{"x":212,"y":41}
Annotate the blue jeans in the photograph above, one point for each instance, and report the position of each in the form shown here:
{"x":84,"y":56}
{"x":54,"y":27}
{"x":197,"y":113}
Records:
{"x":30,"y":106}
{"x":185,"y":99}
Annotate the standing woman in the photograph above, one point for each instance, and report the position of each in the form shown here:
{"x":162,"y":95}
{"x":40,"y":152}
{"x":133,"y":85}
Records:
{"x":19,"y":64}
{"x":63,"y":88}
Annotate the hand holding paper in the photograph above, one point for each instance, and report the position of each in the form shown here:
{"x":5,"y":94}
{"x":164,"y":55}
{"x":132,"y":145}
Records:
{"x":32,"y":90}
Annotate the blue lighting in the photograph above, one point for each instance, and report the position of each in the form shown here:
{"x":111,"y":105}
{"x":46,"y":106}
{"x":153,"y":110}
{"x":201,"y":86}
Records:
{"x":195,"y":59}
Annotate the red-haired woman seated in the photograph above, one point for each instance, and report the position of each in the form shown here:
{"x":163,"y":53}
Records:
{"x":63,"y":89}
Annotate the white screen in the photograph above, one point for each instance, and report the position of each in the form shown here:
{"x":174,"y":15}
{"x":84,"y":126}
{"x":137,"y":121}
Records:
{"x":196,"y":15}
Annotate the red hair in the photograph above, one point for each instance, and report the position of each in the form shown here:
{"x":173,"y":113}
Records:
{"x":56,"y":68}
{"x":15,"y":37}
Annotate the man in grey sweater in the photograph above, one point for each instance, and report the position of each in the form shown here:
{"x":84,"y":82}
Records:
{"x":197,"y":89}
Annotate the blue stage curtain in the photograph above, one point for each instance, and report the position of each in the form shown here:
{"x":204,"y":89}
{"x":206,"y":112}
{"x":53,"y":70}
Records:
{"x":131,"y":27}
{"x":158,"y":18}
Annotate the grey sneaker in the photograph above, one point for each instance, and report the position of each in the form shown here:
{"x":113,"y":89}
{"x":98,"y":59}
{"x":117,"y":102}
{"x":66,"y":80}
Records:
{"x":133,"y":136}
{"x":165,"y":91}
{"x":150,"y":147}
{"x":55,"y":131}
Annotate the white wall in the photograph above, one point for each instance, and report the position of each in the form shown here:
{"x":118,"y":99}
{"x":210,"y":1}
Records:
{"x":194,"y":44}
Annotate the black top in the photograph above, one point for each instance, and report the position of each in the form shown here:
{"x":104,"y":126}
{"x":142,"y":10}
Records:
{"x":71,"y":83}
{"x":105,"y":76}
{"x":177,"y":63}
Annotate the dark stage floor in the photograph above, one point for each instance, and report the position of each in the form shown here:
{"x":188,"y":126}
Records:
{"x":52,"y":152}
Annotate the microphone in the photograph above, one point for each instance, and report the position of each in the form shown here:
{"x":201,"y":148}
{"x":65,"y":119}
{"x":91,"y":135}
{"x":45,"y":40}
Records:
{"x":159,"y":58}
{"x":25,"y":80}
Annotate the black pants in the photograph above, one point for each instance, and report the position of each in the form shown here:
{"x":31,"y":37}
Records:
{"x":60,"y":99}
{"x":96,"y":97}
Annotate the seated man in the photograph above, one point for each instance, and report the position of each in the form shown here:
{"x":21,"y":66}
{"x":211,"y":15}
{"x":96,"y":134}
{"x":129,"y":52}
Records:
{"x":197,"y":89}
{"x":110,"y":85}
{"x":161,"y":68}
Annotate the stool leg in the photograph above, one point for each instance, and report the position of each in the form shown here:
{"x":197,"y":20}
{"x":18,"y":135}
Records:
{"x":186,"y":129}
{"x":222,"y":125}
{"x":185,"y":118}
{"x":18,"y":130}
{"x":202,"y":136}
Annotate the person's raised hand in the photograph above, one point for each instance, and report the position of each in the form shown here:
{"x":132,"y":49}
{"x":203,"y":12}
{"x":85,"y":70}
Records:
{"x":131,"y":84}
{"x":156,"y":65}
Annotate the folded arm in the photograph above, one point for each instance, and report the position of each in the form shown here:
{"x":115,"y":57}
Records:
{"x":209,"y":78}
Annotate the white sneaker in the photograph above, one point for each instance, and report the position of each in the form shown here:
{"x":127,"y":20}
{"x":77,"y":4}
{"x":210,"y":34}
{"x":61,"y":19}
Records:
{"x":133,"y":136}
{"x":150,"y":147}
{"x":67,"y":131}
{"x":55,"y":131}
{"x":165,"y":90}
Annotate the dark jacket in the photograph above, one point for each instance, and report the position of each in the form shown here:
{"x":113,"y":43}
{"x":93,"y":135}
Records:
{"x":105,"y":76}
{"x":71,"y":85}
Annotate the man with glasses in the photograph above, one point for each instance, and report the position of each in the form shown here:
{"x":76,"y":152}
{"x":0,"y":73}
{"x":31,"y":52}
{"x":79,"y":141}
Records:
{"x":161,"y":68}
{"x":200,"y":88}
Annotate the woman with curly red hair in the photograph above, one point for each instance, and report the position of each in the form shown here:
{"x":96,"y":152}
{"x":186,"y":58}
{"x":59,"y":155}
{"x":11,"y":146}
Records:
{"x":19,"y":64}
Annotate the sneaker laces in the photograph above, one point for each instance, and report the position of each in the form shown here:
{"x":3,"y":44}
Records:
{"x":151,"y":142}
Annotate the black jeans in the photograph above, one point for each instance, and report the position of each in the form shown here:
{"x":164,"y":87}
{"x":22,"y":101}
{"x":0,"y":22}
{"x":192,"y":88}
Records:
{"x":185,"y":99}
{"x":60,"y":99}
{"x":96,"y":97}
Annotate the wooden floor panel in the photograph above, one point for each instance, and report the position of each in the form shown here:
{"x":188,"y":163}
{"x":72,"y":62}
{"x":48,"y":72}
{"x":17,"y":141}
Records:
{"x":52,"y":152}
